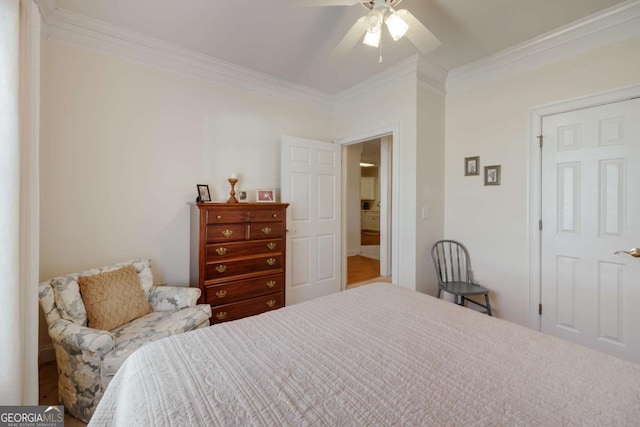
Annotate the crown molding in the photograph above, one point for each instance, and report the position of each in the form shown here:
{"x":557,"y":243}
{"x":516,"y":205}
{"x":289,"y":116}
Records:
{"x":385,"y":79}
{"x":614,"y":24}
{"x":609,"y":26}
{"x":72,"y":28}
{"x":415,"y":68}
{"x":432,"y":76}
{"x":47,"y":8}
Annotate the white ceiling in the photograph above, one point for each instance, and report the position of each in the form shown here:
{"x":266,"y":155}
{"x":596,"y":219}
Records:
{"x":293,"y":43}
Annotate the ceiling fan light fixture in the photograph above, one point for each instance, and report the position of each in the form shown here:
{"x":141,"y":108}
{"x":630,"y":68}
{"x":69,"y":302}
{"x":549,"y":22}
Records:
{"x":373,"y":20}
{"x":372,"y":38}
{"x":397,"y":26}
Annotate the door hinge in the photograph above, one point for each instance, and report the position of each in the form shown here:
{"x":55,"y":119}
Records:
{"x":540,"y":225}
{"x":540,"y":309}
{"x":540,"y":137}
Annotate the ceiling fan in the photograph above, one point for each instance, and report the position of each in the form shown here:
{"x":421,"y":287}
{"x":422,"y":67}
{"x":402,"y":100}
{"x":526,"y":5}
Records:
{"x":399,"y":23}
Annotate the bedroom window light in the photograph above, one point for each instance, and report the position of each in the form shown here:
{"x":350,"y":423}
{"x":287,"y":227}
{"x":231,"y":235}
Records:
{"x":19,"y":233}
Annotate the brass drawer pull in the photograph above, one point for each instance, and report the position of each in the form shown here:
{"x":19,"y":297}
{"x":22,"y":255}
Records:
{"x":227,"y":233}
{"x":271,"y":303}
{"x":271,"y":283}
{"x":221,"y":294}
{"x":221,"y":268}
{"x":271,"y":245}
{"x":221,"y":251}
{"x":219,"y":217}
{"x":221,"y":315}
{"x":271,"y":261}
{"x":266,"y":230}
{"x":275,"y":215}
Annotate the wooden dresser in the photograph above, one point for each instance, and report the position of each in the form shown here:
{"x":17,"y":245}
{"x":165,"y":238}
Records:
{"x":238,"y":257}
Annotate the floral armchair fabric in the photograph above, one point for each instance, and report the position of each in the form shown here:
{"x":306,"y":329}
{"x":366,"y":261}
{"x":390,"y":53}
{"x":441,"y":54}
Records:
{"x":89,"y":358}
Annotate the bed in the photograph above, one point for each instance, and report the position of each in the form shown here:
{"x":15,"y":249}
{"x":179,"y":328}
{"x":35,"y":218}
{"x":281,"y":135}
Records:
{"x":376,"y":355}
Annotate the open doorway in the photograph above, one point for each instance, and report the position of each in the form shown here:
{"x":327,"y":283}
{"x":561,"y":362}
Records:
{"x":368,"y":195}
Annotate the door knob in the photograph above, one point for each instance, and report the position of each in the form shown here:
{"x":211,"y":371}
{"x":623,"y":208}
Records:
{"x":635,"y":252}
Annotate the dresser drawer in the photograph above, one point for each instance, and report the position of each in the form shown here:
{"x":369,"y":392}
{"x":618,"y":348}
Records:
{"x":240,"y":215}
{"x":227,"y":216}
{"x":224,"y":269}
{"x":229,"y":292}
{"x":251,"y":307}
{"x":225,"y":233}
{"x":268,"y":215}
{"x":220,"y":251}
{"x":265,"y":230}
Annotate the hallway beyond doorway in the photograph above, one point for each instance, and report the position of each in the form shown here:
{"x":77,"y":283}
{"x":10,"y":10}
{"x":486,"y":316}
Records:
{"x":362,"y":269}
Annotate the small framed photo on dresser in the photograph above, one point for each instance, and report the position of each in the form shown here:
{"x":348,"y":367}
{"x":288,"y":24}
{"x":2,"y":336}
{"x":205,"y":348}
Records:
{"x":265,"y":196}
{"x":243,"y":196}
{"x":203,"y":193}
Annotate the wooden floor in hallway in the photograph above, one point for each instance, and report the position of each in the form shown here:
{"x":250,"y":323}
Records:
{"x":362,"y":269}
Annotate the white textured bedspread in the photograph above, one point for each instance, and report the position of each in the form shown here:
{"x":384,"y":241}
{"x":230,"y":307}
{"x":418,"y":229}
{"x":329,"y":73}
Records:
{"x":377,"y":355}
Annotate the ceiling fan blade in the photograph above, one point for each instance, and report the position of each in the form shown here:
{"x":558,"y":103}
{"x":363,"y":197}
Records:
{"x":419,"y":35}
{"x":321,"y":3}
{"x":350,"y":40}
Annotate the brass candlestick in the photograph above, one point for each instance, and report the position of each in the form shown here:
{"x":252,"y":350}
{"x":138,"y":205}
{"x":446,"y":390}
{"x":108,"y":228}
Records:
{"x":232,"y":194}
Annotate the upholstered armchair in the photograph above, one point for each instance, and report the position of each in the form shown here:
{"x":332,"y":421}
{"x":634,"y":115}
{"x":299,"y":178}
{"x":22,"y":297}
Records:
{"x":88,"y":358}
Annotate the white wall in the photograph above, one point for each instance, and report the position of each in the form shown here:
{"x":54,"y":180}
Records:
{"x":429,"y":184}
{"x":395,"y":106}
{"x":492,"y":121}
{"x":123,"y":146}
{"x":351,"y":204}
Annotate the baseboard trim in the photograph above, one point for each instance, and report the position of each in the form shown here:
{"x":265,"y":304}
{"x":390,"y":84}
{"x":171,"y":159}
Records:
{"x":46,"y":354}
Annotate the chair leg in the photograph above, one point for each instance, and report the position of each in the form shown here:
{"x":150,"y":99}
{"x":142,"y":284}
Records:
{"x":486,"y":299}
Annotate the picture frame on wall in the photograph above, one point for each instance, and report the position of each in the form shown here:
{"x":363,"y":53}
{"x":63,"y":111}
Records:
{"x":492,"y":175}
{"x":472,"y":166}
{"x":265,"y":196}
{"x":203,"y":193}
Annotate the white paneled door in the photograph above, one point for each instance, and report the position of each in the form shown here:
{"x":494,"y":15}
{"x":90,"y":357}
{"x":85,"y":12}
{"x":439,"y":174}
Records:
{"x":311,"y":184}
{"x":590,"y":210}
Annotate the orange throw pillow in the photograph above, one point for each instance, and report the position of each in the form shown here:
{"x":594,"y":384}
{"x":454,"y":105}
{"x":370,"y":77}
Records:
{"x":113,"y":298}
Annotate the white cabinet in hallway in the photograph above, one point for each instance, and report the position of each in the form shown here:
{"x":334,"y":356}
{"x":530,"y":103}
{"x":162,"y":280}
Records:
{"x":368,"y":188}
{"x":370,"y":220}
